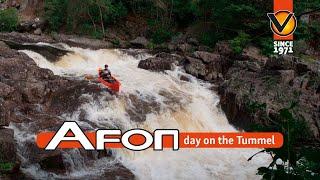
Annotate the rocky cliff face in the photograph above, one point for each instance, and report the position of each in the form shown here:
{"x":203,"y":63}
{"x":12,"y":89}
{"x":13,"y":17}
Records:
{"x":250,"y":79}
{"x":274,"y":83}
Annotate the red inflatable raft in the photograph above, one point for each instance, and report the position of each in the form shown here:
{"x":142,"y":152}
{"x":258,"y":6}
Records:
{"x":114,"y":86}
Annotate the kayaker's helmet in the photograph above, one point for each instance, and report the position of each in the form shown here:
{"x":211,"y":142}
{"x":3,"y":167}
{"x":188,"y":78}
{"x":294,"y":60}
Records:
{"x":106,"y":66}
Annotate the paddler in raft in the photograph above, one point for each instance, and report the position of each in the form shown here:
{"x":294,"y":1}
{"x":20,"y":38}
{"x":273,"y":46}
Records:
{"x":106,"y":74}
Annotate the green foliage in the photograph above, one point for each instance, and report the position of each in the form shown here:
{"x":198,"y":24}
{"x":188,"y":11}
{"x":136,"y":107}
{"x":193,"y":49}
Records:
{"x":86,"y":17}
{"x":210,"y":38}
{"x":223,"y":19}
{"x":159,"y":32}
{"x":55,"y":13}
{"x":116,"y":42}
{"x":310,"y":33}
{"x":239,"y":42}
{"x":184,"y":11}
{"x":266,"y":45}
{"x":297,"y":162}
{"x":8,"y":19}
{"x":151,"y":45}
{"x":161,"y":35}
{"x":6,"y":166}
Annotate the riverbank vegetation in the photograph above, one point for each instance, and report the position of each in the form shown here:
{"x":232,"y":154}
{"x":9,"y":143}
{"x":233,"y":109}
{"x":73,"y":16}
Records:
{"x":297,"y":158}
{"x":8,"y":19}
{"x":210,"y":21}
{"x":242,"y":21}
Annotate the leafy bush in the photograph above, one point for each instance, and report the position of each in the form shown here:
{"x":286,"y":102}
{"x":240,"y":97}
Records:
{"x":6,"y":166}
{"x":151,"y":45}
{"x":8,"y":19}
{"x":159,"y":32}
{"x":266,"y":45}
{"x":293,"y":160}
{"x":239,"y":42}
{"x":161,"y":35}
{"x":210,"y":38}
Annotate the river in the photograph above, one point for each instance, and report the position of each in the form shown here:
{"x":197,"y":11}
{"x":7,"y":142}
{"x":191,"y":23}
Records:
{"x":165,"y":102}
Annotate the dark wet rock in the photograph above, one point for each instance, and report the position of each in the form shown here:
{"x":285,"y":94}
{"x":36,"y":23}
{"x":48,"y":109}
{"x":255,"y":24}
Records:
{"x":38,"y":31}
{"x":25,"y":38}
{"x":156,"y":64}
{"x":184,"y":48}
{"x":118,"y":171}
{"x":204,"y":48}
{"x":115,"y":171}
{"x":5,"y":90}
{"x":35,"y":98}
{"x":3,"y":113}
{"x":249,"y":65}
{"x":172,"y":47}
{"x":32,"y":25}
{"x":28,"y":91}
{"x":195,"y":67}
{"x":253,"y":54}
{"x":184,"y":78}
{"x":138,"y":107}
{"x":8,"y":157}
{"x":173,"y":100}
{"x":104,"y":153}
{"x":213,"y":69}
{"x":179,"y":39}
{"x":25,"y":26}
{"x":161,"y":62}
{"x":193,"y":41}
{"x":207,"y":57}
{"x":224,"y":48}
{"x":220,"y":65}
{"x":53,"y":162}
{"x":3,"y":45}
{"x":234,"y":109}
{"x":282,"y":63}
{"x":83,"y":42}
{"x":50,"y":52}
{"x":137,"y":53}
{"x":7,"y":145}
{"x":250,"y":83}
{"x":67,"y":99}
{"x":286,"y":75}
{"x":301,"y":68}
{"x":139,"y":42}
{"x":71,"y":40}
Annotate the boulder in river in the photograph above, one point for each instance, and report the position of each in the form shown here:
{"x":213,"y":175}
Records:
{"x":195,"y":67}
{"x":139,"y":42}
{"x":53,"y":162}
{"x":155,"y":64}
{"x":161,"y":62}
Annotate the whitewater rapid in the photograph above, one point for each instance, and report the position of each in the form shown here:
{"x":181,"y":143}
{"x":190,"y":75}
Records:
{"x":187,"y":106}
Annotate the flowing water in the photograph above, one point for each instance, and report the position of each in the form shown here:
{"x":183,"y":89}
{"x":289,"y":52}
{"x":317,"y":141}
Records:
{"x":169,"y":103}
